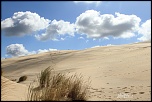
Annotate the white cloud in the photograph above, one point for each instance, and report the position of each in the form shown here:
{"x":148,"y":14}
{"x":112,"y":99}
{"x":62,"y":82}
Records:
{"x":106,"y":38}
{"x":126,"y":35}
{"x":95,"y":25}
{"x":55,"y":29}
{"x":31,"y":52}
{"x":90,"y":23}
{"x":81,"y":37}
{"x":95,"y":46}
{"x":99,"y":39}
{"x":62,"y":38}
{"x":19,"y":50}
{"x":42,"y":51}
{"x":110,"y":45}
{"x":45,"y":50}
{"x":16,"y":50}
{"x":89,"y":2}
{"x":145,"y":31}
{"x":23,"y":23}
{"x":52,"y":49}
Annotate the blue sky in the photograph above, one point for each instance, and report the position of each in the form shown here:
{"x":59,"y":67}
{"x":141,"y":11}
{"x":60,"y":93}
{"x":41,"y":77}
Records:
{"x":35,"y":27}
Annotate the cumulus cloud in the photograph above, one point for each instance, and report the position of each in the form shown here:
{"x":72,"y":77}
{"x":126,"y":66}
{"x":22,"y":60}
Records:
{"x":110,"y":45}
{"x":90,"y":23}
{"x":106,"y":38}
{"x":81,"y":37}
{"x":41,"y":51}
{"x":95,"y":46}
{"x":55,"y":29}
{"x":127,"y":35}
{"x":52,"y":49}
{"x":15,"y":50}
{"x":45,"y":50}
{"x":145,"y":31}
{"x":22,"y":23}
{"x":62,"y":38}
{"x":89,"y":2}
{"x":95,"y":25}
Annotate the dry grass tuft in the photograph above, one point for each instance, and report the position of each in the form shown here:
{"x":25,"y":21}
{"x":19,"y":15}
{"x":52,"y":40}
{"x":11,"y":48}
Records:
{"x":44,"y":78}
{"x":58,"y":87}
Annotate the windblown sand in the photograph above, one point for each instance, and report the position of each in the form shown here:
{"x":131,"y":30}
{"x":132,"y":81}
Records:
{"x":116,"y":72}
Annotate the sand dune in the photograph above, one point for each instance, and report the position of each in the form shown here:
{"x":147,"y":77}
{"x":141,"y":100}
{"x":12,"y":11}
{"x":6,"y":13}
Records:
{"x":12,"y":90}
{"x":121,"y":72}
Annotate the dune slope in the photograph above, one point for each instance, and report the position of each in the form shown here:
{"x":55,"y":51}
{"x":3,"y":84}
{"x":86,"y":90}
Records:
{"x":116,"y":72}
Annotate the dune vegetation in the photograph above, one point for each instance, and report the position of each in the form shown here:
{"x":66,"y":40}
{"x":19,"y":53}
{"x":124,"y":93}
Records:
{"x":51,"y":86}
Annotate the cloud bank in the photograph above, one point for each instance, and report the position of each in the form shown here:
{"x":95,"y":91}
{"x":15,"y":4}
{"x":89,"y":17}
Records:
{"x":91,"y":23}
{"x":145,"y":31}
{"x":95,"y":25}
{"x":23,"y":23}
{"x":110,"y":45}
{"x":55,"y":29}
{"x":45,"y":50}
{"x":96,"y":46}
{"x":16,"y":50}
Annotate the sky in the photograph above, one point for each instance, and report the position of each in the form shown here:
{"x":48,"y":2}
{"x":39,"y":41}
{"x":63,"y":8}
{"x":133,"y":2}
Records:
{"x":41,"y":26}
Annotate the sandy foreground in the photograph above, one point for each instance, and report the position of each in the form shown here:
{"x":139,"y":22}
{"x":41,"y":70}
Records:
{"x":116,"y":72}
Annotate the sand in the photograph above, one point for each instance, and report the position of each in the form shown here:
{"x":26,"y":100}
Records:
{"x":121,"y":72}
{"x":13,"y":91}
